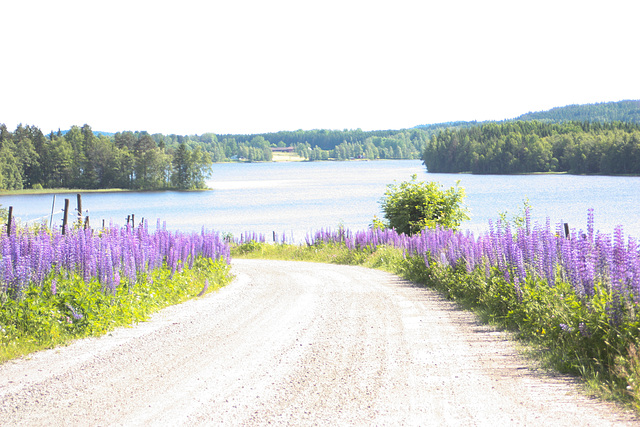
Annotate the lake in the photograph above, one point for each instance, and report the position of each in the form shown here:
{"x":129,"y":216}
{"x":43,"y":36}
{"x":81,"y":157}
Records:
{"x":300,"y":197}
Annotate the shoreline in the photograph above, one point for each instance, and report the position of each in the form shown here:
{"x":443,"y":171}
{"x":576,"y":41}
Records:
{"x":52,"y":191}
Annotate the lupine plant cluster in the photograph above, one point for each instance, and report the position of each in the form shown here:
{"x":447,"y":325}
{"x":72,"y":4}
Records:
{"x":110,"y":255}
{"x":578,"y":294}
{"x":55,"y":287}
{"x":584,"y":259}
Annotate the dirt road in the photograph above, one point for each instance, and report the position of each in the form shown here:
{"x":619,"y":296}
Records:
{"x":297,"y":344}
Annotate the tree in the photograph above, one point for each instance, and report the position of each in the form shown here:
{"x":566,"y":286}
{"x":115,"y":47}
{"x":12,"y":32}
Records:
{"x":412,"y":206}
{"x":144,"y":157}
{"x":200,"y":168}
{"x":125,"y":139}
{"x":59,"y":165}
{"x":190,"y":168}
{"x":25,"y":154}
{"x":10,"y":173}
{"x":75,"y":137}
{"x":181,"y":165}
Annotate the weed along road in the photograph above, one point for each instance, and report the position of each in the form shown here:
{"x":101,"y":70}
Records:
{"x":297,"y":344}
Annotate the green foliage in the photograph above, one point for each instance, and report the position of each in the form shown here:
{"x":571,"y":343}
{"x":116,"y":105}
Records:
{"x":67,"y":308}
{"x":81,"y":159}
{"x":191,"y":168}
{"x":532,"y":146}
{"x":518,"y":220}
{"x":251,"y":246}
{"x":629,"y":368}
{"x":621,"y":111}
{"x":377,"y":223}
{"x":412,"y":206}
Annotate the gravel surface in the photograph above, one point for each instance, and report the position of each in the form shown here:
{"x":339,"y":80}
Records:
{"x":297,"y":344}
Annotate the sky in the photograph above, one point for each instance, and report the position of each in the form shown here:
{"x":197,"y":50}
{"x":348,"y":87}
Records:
{"x":252,"y":66}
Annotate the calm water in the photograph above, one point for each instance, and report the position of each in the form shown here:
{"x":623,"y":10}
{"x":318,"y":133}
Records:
{"x":297,"y":198}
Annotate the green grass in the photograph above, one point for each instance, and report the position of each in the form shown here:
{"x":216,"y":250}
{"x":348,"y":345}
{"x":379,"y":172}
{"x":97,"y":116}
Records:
{"x":44,"y":317}
{"x":606,"y":358}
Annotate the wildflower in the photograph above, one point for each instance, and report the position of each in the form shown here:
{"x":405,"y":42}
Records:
{"x":76,"y":315}
{"x":584,"y":331}
{"x":206,"y":286}
{"x":566,"y":328}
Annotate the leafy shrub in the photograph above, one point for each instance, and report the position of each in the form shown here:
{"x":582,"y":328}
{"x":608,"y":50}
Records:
{"x":412,"y":206}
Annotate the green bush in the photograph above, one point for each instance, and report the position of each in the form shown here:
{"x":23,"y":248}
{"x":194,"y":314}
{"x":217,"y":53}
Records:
{"x":412,"y":206}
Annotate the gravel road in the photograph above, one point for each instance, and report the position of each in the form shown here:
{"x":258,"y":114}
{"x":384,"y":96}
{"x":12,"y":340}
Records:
{"x":297,"y":344}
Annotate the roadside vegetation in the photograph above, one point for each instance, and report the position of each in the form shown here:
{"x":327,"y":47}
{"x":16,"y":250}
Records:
{"x":55,"y":288}
{"x":574,"y":300}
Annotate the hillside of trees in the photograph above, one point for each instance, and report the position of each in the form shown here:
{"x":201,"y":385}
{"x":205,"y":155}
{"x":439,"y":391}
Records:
{"x":622,"y":111}
{"x":605,"y":112}
{"x":534,"y":146}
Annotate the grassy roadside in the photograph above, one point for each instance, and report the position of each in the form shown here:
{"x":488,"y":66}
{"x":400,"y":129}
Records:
{"x":606,"y":358}
{"x":67,"y":308}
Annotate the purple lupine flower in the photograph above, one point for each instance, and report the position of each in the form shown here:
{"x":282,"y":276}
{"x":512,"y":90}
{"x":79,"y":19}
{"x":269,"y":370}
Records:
{"x":566,"y":328}
{"x":584,"y":331}
{"x":590,"y":224}
{"x":74,"y":313}
{"x":618,"y":268}
{"x":204,"y":289}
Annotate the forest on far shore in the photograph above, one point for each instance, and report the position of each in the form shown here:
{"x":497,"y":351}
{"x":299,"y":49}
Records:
{"x":82,"y":159}
{"x":533,"y":146}
{"x":598,"y":138}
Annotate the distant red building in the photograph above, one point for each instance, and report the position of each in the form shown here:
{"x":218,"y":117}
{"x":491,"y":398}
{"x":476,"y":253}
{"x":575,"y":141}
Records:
{"x":282,"y":149}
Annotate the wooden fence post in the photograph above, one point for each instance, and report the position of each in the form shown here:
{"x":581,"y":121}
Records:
{"x":79,"y":197}
{"x":65,"y":216}
{"x":53,"y":204}
{"x":9,"y":218}
{"x":566,"y":230}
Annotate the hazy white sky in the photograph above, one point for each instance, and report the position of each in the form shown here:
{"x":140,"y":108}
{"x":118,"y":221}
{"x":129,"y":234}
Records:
{"x":249,"y":66}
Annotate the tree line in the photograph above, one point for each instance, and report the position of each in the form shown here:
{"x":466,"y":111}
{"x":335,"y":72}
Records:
{"x":312,"y":144}
{"x":81,"y":159}
{"x":534,"y":146}
{"x":620,"y":111}
{"x":84,"y":159}
{"x":407,"y":144}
